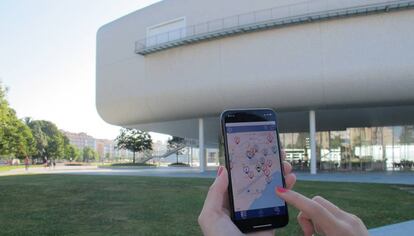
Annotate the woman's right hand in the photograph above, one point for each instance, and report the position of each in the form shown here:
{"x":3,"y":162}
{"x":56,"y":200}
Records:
{"x":318,"y":215}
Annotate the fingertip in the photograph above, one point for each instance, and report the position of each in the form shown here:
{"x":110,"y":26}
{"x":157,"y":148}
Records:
{"x":290,"y":180}
{"x":287,"y":167}
{"x":219,"y":170}
{"x":222,"y":177}
{"x":281,"y":190}
{"x":223,"y":171}
{"x":283,"y":152}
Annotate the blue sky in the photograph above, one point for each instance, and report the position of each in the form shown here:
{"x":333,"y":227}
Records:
{"x":47,"y":58}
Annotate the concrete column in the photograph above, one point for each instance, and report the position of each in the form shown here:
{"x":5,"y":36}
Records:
{"x":201,"y":149}
{"x":312,"y":135}
{"x":191,"y":155}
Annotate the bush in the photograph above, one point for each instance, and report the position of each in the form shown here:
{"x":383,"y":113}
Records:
{"x":131,"y":164}
{"x":74,"y":164}
{"x":179,"y":164}
{"x":407,"y":164}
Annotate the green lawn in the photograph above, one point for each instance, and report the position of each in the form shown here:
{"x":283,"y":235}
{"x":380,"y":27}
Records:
{"x":122,"y":205}
{"x":8,"y":167}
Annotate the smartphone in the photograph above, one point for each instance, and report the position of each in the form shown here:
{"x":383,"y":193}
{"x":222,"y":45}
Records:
{"x":253,"y":160}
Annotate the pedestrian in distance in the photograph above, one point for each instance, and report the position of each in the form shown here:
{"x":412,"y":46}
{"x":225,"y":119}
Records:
{"x":26,"y":163}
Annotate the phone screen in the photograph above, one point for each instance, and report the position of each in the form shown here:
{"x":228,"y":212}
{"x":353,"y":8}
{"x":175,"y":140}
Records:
{"x":255,"y":169}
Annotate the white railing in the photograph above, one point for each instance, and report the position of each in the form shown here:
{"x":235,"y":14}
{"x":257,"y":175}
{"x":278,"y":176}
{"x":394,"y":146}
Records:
{"x":287,"y":14}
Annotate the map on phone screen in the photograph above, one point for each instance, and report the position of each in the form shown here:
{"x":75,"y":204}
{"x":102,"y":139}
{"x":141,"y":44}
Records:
{"x":255,"y":169}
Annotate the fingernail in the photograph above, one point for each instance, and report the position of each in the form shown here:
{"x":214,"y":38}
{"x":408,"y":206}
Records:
{"x":281,"y":190}
{"x":220,"y":169}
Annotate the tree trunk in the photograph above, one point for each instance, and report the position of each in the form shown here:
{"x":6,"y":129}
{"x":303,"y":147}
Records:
{"x":133,"y":157}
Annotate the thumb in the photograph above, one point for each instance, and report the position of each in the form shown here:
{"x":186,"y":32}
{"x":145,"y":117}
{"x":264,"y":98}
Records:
{"x":218,"y":190}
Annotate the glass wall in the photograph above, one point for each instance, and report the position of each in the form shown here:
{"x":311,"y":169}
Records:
{"x":360,"y":149}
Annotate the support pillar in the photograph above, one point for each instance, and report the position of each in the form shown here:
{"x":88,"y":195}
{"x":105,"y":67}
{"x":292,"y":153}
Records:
{"x":312,"y":136}
{"x":201,"y":149}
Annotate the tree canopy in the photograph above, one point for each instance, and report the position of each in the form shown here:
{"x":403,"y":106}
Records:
{"x":39,"y":139}
{"x":134,"y":141}
{"x":175,"y":143}
{"x":89,"y":154}
{"x":407,"y":135}
{"x":16,"y":139}
{"x":50,"y":142}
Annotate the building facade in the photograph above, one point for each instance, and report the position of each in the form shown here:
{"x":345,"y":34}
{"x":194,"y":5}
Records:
{"x":81,"y":140}
{"x":340,"y":75}
{"x":104,"y":147}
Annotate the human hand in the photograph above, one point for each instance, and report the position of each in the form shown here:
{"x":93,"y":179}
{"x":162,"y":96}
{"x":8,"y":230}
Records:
{"x":318,"y":215}
{"x":214,"y":218}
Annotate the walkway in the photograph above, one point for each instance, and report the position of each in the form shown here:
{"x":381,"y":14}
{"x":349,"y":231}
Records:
{"x":59,"y":169}
{"x":361,"y":177}
{"x":94,"y":170}
{"x":401,"y":229}
{"x":188,"y":172}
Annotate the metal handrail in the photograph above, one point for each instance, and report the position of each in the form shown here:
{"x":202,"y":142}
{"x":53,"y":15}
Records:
{"x":148,"y":155}
{"x":292,"y":13}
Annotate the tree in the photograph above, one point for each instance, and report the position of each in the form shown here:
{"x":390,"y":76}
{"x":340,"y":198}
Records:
{"x":39,"y":137}
{"x":16,"y":139}
{"x":301,"y":140}
{"x":134,"y":141}
{"x":176,"y":143}
{"x":336,"y":141}
{"x":24,"y":142}
{"x":50,"y":143}
{"x":55,"y":145}
{"x":407,"y":138}
{"x":407,"y":135}
{"x":4,"y":122}
{"x":89,"y":154}
{"x":72,"y":152}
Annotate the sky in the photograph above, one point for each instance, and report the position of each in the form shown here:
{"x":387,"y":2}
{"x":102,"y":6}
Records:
{"x":47,"y":59}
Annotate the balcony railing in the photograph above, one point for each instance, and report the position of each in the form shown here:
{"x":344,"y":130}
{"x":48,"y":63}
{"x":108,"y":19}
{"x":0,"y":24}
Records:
{"x":264,"y":19}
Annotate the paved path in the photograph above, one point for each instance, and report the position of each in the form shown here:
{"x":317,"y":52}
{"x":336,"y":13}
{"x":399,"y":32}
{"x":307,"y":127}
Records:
{"x":59,"y":169}
{"x":362,"y":177}
{"x":401,"y":229}
{"x":94,"y":170}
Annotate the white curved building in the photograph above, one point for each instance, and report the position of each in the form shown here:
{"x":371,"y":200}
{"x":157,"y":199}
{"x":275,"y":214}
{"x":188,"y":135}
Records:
{"x":328,"y":65}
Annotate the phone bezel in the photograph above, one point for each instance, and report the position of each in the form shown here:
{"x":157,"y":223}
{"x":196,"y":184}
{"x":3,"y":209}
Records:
{"x":251,"y":115}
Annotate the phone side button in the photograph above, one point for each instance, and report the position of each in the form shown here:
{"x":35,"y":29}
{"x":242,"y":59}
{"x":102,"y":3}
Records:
{"x":261,"y":226}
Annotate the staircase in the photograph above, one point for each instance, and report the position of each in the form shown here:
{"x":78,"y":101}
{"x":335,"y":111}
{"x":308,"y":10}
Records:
{"x":148,"y":155}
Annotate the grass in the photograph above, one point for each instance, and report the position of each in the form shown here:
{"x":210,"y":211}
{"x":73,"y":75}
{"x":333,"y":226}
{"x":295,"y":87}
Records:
{"x":124,"y":205}
{"x":9,"y":167}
